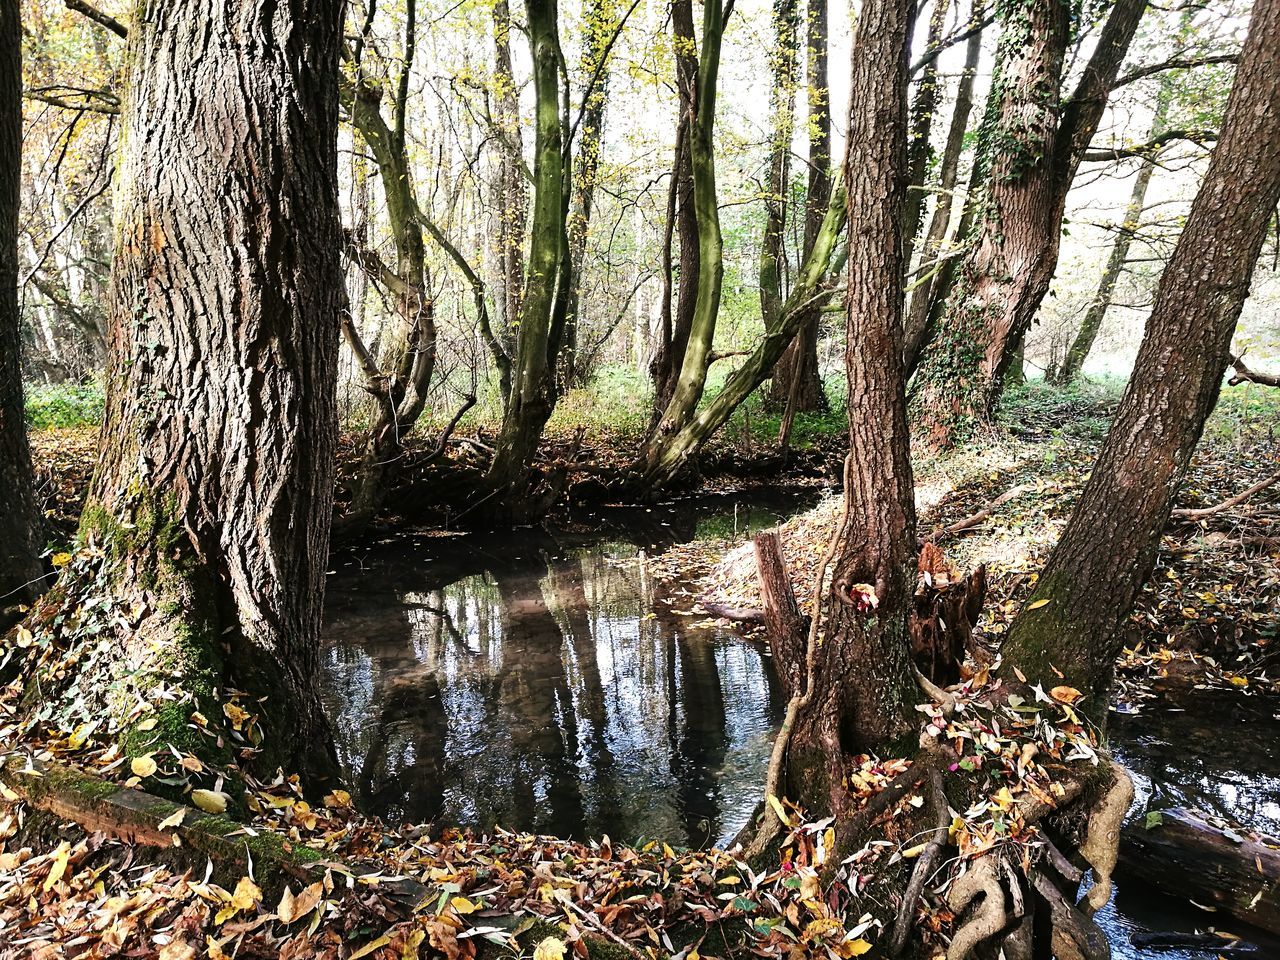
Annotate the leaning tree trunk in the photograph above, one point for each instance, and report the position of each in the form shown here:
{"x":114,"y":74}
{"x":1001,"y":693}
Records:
{"x":677,"y":319}
{"x":1078,"y":352}
{"x":20,"y":566}
{"x":797,"y":381}
{"x":858,"y":691}
{"x":1036,"y":144}
{"x":926,"y":281}
{"x":212,"y":499}
{"x":508,"y":193}
{"x":919,"y":149}
{"x":1073,"y":622}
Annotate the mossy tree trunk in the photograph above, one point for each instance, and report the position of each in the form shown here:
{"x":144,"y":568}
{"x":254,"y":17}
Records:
{"x":858,"y":687}
{"x":1034,"y":145}
{"x":919,"y":149}
{"x":698,"y":356}
{"x":926,"y":283}
{"x":544,"y":302}
{"x":797,"y":378}
{"x":214,"y":490}
{"x":682,"y":221}
{"x":773,"y":256}
{"x":1073,"y":623}
{"x":509,"y":195}
{"x":20,"y":566}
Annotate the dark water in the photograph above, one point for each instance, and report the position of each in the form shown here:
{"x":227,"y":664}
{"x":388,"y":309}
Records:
{"x":539,"y":681}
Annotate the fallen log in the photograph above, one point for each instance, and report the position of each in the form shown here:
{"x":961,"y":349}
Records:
{"x":1186,"y":856}
{"x":186,"y":835}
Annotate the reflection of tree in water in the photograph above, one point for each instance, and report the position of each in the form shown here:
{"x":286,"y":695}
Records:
{"x":541,"y":690}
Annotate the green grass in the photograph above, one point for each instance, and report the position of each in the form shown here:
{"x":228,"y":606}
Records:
{"x":64,"y":405}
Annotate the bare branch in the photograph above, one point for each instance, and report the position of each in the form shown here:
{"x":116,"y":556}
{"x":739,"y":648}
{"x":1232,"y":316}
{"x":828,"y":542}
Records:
{"x":98,"y":17}
{"x":1153,"y":146}
{"x":1177,"y":63}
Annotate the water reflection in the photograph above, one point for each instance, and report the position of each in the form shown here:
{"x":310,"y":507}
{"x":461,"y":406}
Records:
{"x":538,"y":682}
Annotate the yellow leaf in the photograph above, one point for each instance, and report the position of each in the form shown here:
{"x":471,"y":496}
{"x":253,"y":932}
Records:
{"x":1038,"y":604}
{"x":142,"y":766}
{"x":779,"y":809}
{"x":914,"y":851}
{"x":338,"y":798}
{"x":174,"y":820}
{"x":235,"y":714}
{"x":463,"y":905}
{"x":210,"y":801}
{"x":1065,"y":694}
{"x":368,"y":948}
{"x":60,"y":559}
{"x":730,"y":880}
{"x":551,"y":948}
{"x":59,"y":866}
{"x":147,"y":724}
{"x":1239,"y":681}
{"x":856,"y":948}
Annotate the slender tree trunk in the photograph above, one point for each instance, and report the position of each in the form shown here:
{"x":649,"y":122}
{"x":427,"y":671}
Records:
{"x":20,"y":566}
{"x":600,"y":23}
{"x":797,"y":379}
{"x":213,"y":495}
{"x":401,"y":375}
{"x":509,"y":193}
{"x":675,"y":327}
{"x":1073,"y":622}
{"x":1036,"y":143}
{"x":773,"y":258}
{"x":1088,"y":332}
{"x":542,"y":310}
{"x":926,"y":285}
{"x":919,"y":151}
{"x":859,"y":689}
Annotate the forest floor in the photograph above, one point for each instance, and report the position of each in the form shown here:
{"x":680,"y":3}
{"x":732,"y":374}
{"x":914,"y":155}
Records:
{"x":1211,"y":609}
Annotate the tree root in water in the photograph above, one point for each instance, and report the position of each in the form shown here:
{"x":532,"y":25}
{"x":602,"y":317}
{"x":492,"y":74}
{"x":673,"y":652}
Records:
{"x":1101,"y":847}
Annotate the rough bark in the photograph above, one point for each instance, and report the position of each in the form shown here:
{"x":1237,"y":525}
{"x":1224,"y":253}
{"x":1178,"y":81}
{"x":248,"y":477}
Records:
{"x":925,"y":285}
{"x":797,"y":380}
{"x":20,"y":566}
{"x":860,"y":691}
{"x":1108,"y":548}
{"x":214,"y":490}
{"x":1035,"y":144}
{"x":1078,"y":352}
{"x":676,"y":324}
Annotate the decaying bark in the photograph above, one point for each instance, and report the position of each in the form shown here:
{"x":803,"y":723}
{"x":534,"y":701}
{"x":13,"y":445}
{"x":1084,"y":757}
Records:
{"x":20,"y":566}
{"x":213,"y":495}
{"x":1072,"y":626}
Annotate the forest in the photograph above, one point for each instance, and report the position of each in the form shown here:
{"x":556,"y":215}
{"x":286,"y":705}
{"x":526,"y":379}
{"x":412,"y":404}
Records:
{"x":639,"y":479}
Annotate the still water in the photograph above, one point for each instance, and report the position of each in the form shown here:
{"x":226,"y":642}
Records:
{"x":546,"y":681}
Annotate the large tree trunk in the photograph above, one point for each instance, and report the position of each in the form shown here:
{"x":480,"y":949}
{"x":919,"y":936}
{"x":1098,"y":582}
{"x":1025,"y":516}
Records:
{"x":213,"y":495}
{"x":20,"y":566}
{"x":1034,"y":148}
{"x":676,"y":324}
{"x":927,"y":282}
{"x":1073,"y":622}
{"x":1078,"y":352}
{"x":858,"y":688}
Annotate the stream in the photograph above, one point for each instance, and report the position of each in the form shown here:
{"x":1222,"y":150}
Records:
{"x":545,"y":681}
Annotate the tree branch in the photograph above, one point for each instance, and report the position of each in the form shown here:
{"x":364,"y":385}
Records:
{"x":1244,"y":375}
{"x":1153,"y":146}
{"x":1191,"y":513}
{"x":1177,"y":63}
{"x":98,"y":17}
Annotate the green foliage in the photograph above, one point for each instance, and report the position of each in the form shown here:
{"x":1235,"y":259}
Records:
{"x":64,"y":405}
{"x":1082,"y":408}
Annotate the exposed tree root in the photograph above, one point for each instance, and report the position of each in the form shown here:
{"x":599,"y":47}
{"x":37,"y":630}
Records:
{"x":989,"y":916}
{"x":924,"y":866}
{"x":1101,"y":847}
